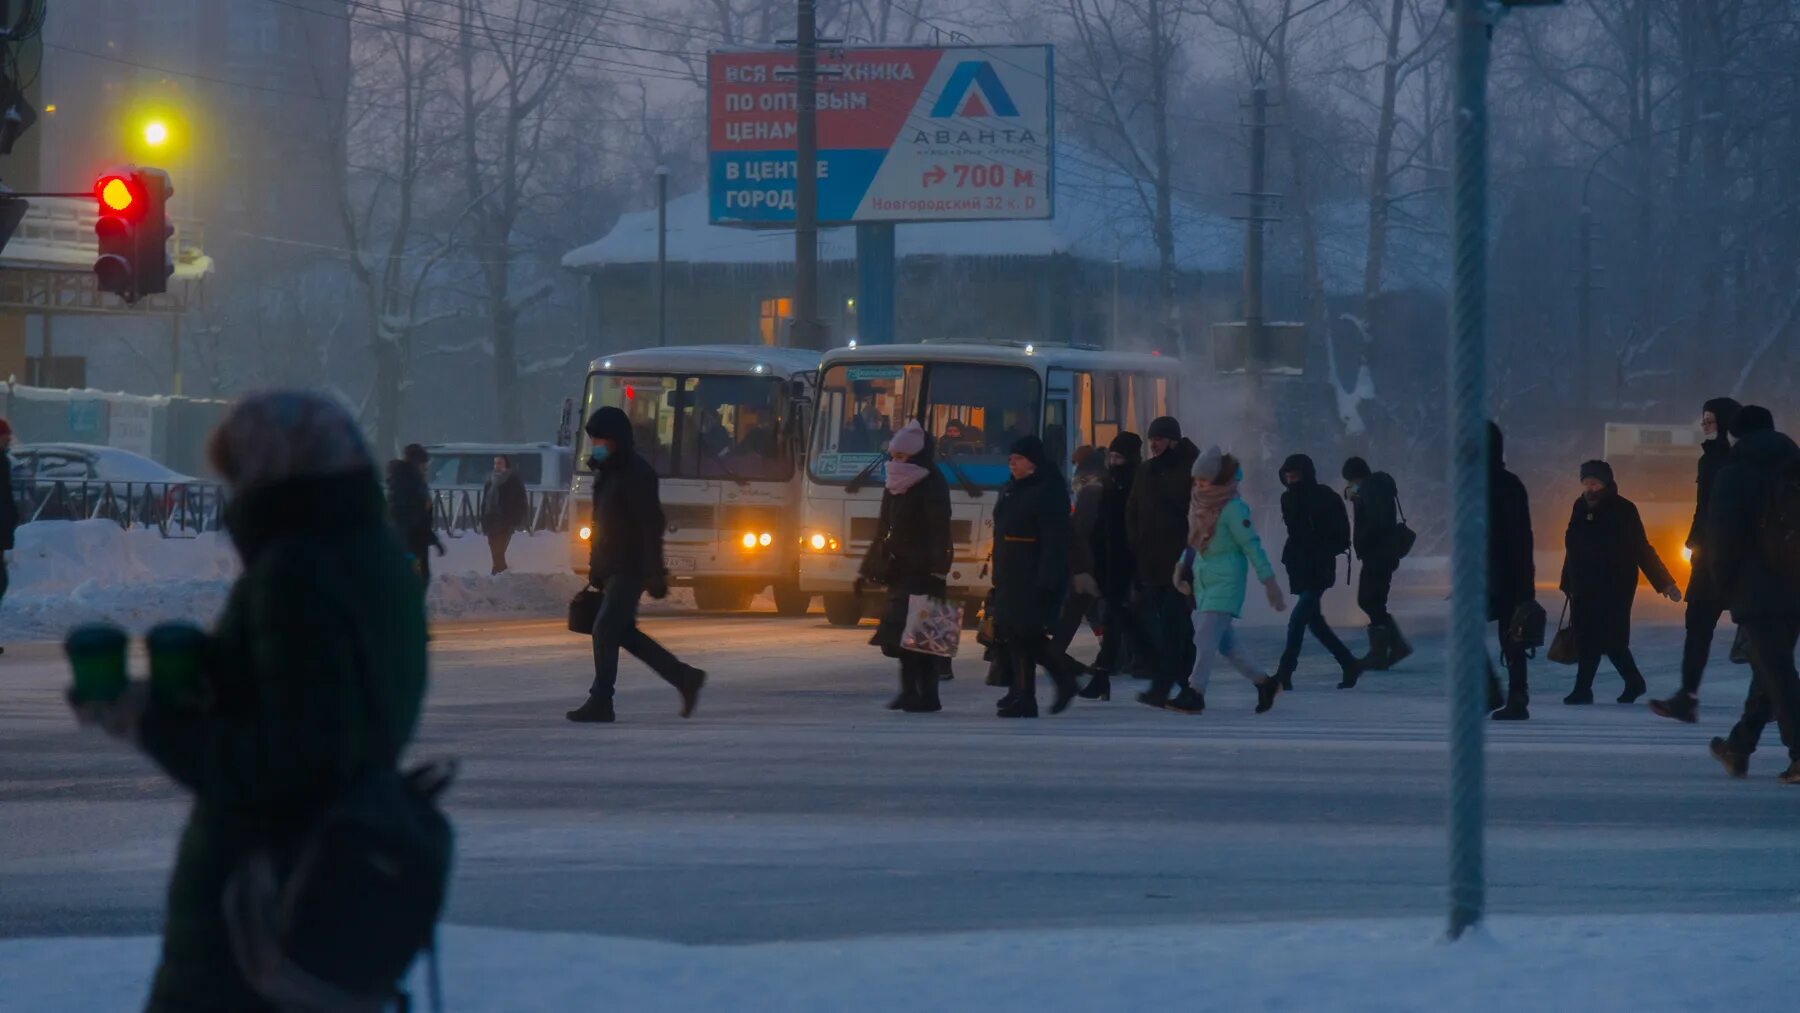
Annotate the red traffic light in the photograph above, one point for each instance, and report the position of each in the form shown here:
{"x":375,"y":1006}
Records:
{"x":115,"y":193}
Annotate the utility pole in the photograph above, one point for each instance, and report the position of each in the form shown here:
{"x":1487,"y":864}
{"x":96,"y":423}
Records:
{"x":1254,"y":227}
{"x":1584,"y":311}
{"x":662,"y":255}
{"x":808,"y":331}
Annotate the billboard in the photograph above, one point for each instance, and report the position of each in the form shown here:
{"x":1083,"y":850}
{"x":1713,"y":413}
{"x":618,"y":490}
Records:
{"x":910,"y":134}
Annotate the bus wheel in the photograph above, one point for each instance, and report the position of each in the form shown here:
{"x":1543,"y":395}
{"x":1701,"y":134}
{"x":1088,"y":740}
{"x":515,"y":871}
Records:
{"x":971,"y":613}
{"x":843,"y":609}
{"x":722,"y":597}
{"x":790,"y":601}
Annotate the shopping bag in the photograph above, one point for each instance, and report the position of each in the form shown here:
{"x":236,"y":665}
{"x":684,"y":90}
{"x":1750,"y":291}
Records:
{"x":933,"y":626}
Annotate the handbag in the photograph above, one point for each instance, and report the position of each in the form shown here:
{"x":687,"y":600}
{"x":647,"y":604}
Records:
{"x":933,"y":626}
{"x":1404,"y":536}
{"x":584,"y":608}
{"x":1526,"y":630}
{"x":1565,"y":649}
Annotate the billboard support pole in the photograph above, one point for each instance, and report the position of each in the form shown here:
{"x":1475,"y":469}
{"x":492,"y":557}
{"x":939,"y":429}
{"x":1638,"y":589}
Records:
{"x":806,"y":327}
{"x":875,"y":283}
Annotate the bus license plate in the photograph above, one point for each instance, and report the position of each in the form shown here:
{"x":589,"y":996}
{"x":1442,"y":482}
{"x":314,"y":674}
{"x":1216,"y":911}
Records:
{"x":682,"y":564}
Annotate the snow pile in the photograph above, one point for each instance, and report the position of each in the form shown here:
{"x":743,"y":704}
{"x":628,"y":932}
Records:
{"x":68,"y":572}
{"x":1631,"y":964}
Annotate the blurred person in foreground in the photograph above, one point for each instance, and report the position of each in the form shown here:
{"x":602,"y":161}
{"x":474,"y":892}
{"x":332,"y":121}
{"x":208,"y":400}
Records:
{"x":9,"y":510}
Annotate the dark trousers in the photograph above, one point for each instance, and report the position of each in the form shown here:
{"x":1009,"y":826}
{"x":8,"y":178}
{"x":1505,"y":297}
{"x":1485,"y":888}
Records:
{"x":1373,"y":589}
{"x":615,"y":626}
{"x":1518,"y":685}
{"x":1166,"y":629}
{"x":1703,"y":616}
{"x":1774,"y":686}
{"x":1068,"y":622}
{"x":1121,"y":641}
{"x":1019,"y":657}
{"x":1309,"y":614}
{"x":1587,"y":665}
{"x":497,"y":545}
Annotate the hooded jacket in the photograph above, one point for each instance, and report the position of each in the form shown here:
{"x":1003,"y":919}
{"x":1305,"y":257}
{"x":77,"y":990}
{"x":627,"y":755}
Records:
{"x":1031,"y":548}
{"x":1318,"y":528}
{"x":1754,"y":589}
{"x":1115,"y":562}
{"x":628,"y":524}
{"x":912,"y":533}
{"x":1714,"y":453}
{"x":1156,"y":513}
{"x":1376,"y":512}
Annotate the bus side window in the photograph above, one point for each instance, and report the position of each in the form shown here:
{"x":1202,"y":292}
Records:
{"x":1108,"y":420}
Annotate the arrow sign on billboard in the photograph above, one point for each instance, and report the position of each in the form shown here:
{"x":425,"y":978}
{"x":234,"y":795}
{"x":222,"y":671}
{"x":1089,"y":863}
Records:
{"x":935,"y":175}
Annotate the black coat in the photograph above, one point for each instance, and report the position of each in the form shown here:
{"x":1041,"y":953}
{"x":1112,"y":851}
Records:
{"x":628,"y":522}
{"x":1714,"y":455}
{"x":1318,"y":529}
{"x":1084,"y":547}
{"x":1512,"y":569}
{"x":504,"y":503}
{"x":9,"y":510}
{"x":912,"y":534}
{"x":1031,"y":554}
{"x":1376,"y":513}
{"x":1112,"y":545}
{"x":1604,"y":549}
{"x":409,"y":507}
{"x":1742,"y":577}
{"x":1156,"y":515}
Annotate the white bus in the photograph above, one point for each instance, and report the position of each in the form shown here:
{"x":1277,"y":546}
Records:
{"x":723,"y":426}
{"x":975,"y":400}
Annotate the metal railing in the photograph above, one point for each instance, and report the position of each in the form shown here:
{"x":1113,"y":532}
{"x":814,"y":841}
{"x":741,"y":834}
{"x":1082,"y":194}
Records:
{"x":175,"y":509}
{"x":456,"y":511}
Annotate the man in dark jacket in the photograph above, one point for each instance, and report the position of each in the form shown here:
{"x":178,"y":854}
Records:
{"x":1031,"y":576}
{"x":504,"y":507}
{"x":1512,"y":576}
{"x":9,"y":510}
{"x":1705,"y":606}
{"x":625,"y":559}
{"x":410,"y":508}
{"x":1764,"y":598}
{"x":1156,"y":526}
{"x":1115,"y":565}
{"x":1375,"y":508}
{"x":1318,"y":532}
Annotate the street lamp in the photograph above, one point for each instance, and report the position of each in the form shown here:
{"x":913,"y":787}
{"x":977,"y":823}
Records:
{"x":156,"y":133}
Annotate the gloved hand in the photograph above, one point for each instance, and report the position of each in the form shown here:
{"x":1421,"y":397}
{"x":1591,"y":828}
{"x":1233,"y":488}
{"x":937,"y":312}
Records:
{"x":658,"y":586}
{"x":1084,"y":583}
{"x":118,"y":717}
{"x":1277,"y":600}
{"x":1673,"y":593}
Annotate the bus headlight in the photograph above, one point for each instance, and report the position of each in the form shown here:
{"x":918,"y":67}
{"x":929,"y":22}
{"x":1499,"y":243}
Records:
{"x":586,"y":532}
{"x":764,"y":539}
{"x":749,"y":540}
{"x":819,"y":541}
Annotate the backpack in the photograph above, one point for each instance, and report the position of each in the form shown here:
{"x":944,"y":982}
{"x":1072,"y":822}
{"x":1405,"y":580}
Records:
{"x":1781,"y":521}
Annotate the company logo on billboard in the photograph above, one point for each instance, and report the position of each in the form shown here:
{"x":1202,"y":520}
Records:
{"x":974,"y":90}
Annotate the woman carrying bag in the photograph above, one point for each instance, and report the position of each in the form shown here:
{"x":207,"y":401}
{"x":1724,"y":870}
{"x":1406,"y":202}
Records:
{"x":1031,"y":574}
{"x":910,"y":554}
{"x":1605,"y":549}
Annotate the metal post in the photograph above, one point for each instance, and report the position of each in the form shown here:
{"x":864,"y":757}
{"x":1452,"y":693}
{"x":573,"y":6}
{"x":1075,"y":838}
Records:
{"x":662,"y":255}
{"x":1468,"y":658}
{"x":175,"y":353}
{"x":1253,"y":231}
{"x":806,"y":180}
{"x":1584,"y":311}
{"x":1114,"y":343}
{"x":875,"y":283}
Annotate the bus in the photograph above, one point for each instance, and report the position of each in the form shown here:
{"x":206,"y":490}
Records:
{"x":1655,"y":466}
{"x":723,"y":426}
{"x":975,"y":399}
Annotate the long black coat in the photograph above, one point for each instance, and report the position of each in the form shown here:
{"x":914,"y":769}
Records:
{"x":505,"y":505}
{"x":1318,"y":529}
{"x":912,"y":550}
{"x":1114,"y":559}
{"x":1714,"y":455}
{"x":1376,"y":512}
{"x":1156,"y":515}
{"x":1754,"y":589}
{"x":1512,"y":569}
{"x":1031,"y":554}
{"x":628,"y":523}
{"x":1605,"y":547}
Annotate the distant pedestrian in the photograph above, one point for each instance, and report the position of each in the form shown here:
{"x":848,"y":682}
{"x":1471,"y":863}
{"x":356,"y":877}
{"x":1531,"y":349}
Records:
{"x":1705,"y":606}
{"x":1604,"y":550}
{"x":314,"y":676}
{"x":1156,"y":523}
{"x":1318,"y":532}
{"x":1223,"y":546}
{"x":910,"y":554}
{"x":625,"y":560}
{"x":505,"y":506}
{"x":1377,"y":538}
{"x":1115,"y":565}
{"x":1089,"y":488}
{"x":410,"y":508}
{"x":1752,"y":506}
{"x":1031,"y":575}
{"x":1512,"y":578}
{"x":9,"y":509}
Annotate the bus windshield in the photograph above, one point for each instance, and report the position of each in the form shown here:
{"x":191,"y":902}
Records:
{"x":974,"y":412}
{"x":706,"y":426}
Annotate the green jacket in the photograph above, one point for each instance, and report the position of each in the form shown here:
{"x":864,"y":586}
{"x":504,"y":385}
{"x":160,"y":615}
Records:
{"x":315,"y":671}
{"x":1220,"y":572}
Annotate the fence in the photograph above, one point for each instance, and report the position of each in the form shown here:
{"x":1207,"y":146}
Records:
{"x":176,"y":509}
{"x":457,"y":511}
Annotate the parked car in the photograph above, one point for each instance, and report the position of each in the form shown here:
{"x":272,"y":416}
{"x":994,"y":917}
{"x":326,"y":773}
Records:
{"x":72,"y":481}
{"x":458,"y":471}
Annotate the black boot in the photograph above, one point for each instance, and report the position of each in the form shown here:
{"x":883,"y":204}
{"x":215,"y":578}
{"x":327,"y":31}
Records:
{"x":925,"y":689}
{"x":1098,"y":688}
{"x":594,"y":711}
{"x":1024,"y":684}
{"x":1583,"y":693}
{"x":1516,"y":709}
{"x":1398,"y":649}
{"x":1064,"y":674}
{"x":1380,"y":647}
{"x":1266,"y":692}
{"x":1635,"y":687}
{"x":1285,"y":676}
{"x":1187,"y":702}
{"x":1736,"y":763}
{"x":1683,"y":707}
{"x":909,"y":693}
{"x":1352,"y":672}
{"x":1022,"y":707}
{"x":690,"y":691}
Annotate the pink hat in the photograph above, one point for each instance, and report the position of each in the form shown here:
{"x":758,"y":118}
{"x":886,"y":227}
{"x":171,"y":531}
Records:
{"x":909,"y":440}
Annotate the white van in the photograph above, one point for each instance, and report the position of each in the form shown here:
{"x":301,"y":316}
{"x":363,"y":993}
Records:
{"x":458,"y":471}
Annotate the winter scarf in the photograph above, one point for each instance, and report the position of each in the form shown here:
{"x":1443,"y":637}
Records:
{"x":1205,"y":504}
{"x":903,"y":475}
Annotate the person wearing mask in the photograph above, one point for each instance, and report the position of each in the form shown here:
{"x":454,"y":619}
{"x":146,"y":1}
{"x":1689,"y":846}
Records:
{"x":1318,"y":532}
{"x":1763,"y":591}
{"x":1031,"y":574}
{"x":505,"y":507}
{"x":410,"y":508}
{"x":1114,"y":564}
{"x":9,"y":508}
{"x":313,"y":676}
{"x":1705,"y":607}
{"x":910,"y":554}
{"x":1223,"y":547}
{"x":1375,"y":508}
{"x":1156,"y":523}
{"x":1604,"y":549}
{"x":1512,"y":577}
{"x":625,"y":560}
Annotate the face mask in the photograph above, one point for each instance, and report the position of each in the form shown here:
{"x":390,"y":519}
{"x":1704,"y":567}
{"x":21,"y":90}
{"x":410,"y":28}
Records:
{"x":599,"y":455}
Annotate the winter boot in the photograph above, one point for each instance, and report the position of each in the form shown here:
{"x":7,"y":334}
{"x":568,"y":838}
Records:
{"x":1683,"y":707}
{"x":1266,"y":692}
{"x":1187,"y":702}
{"x":1736,"y":763}
{"x":595,"y":711}
{"x":1790,"y":775}
{"x":1381,"y":644}
{"x":1098,"y":688}
{"x":1352,"y":672}
{"x":1285,"y":676}
{"x":925,"y":696}
{"x":1515,"y":710}
{"x":1398,"y":649}
{"x":1583,"y":693}
{"x":690,"y":690}
{"x":1634,"y":687}
{"x":1022,"y":707}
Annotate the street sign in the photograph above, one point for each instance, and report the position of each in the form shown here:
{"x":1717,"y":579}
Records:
{"x":914,"y":134}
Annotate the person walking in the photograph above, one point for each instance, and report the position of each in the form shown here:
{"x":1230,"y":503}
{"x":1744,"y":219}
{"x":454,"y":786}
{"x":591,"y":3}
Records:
{"x":9,"y":508}
{"x":505,"y":507}
{"x":1318,"y":532}
{"x":1512,"y":578}
{"x":1377,"y":540}
{"x":1604,"y":549}
{"x":625,"y":560}
{"x":1114,"y":564}
{"x":910,"y":554}
{"x":1763,"y":590}
{"x":1031,"y":574}
{"x":1705,"y":606}
{"x":313,"y":676}
{"x":1156,"y":524}
{"x":1223,"y":546}
{"x":410,"y":508}
{"x":1089,"y":488}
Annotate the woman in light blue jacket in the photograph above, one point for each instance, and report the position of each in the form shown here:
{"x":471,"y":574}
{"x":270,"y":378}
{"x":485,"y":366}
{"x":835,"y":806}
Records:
{"x":1222,"y":547}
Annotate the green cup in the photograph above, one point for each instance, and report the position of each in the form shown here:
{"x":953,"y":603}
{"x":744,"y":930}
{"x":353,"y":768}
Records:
{"x":176,"y":654}
{"x":97,"y":654}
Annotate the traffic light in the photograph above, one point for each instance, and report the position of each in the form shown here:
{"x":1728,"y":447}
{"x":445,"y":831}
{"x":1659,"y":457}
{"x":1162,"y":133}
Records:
{"x":133,"y":232}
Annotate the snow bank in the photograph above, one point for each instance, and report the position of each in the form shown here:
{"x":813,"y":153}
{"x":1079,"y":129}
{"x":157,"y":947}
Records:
{"x":1631,"y":964}
{"x":67,"y":572}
